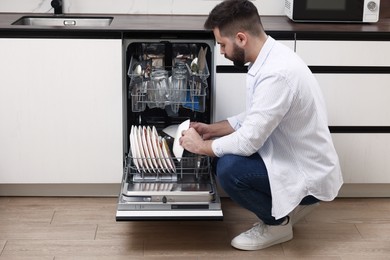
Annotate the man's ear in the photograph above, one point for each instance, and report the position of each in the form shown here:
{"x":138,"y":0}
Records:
{"x":241,"y":39}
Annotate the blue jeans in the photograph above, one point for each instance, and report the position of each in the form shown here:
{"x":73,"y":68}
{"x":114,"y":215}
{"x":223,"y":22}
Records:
{"x":245,"y":180}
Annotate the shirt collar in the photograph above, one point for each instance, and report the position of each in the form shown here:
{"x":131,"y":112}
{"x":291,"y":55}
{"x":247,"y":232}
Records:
{"x":253,"y":68}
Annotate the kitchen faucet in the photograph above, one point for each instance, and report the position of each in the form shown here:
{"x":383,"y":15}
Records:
{"x":57,"y":5}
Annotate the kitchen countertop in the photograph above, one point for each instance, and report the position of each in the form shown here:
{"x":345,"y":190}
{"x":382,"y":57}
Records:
{"x":183,"y":23}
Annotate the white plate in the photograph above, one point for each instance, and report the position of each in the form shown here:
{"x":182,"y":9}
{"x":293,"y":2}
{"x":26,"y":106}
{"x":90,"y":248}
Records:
{"x":137,"y":149}
{"x":151,"y":147}
{"x":132,"y":148}
{"x":177,"y":148}
{"x":171,"y":130}
{"x":167,"y":155}
{"x":157,"y":150}
{"x":146,"y":148}
{"x":163,"y":157}
{"x":141,"y":149}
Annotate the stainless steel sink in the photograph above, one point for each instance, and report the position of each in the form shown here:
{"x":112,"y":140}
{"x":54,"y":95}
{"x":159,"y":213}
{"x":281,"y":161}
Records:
{"x":63,"y":21}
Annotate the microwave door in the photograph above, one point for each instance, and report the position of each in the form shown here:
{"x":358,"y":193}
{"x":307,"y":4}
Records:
{"x":328,"y":10}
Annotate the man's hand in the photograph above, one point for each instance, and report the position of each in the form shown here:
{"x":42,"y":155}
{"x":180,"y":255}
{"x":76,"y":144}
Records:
{"x":203,"y":130}
{"x":194,"y":143}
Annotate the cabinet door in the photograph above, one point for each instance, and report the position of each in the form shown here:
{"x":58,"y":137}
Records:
{"x":364,"y":158}
{"x":229,"y":98}
{"x":61,"y":111}
{"x":344,"y":53}
{"x":356,"y":99}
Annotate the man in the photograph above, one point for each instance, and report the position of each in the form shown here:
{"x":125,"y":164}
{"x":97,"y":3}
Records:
{"x":277,"y":158}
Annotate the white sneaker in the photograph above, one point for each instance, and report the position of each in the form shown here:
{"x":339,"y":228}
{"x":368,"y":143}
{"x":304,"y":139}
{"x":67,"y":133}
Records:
{"x":300,"y":211}
{"x":261,"y":236}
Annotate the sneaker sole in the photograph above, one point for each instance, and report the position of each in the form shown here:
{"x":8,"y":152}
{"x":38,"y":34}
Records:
{"x":258,"y":247}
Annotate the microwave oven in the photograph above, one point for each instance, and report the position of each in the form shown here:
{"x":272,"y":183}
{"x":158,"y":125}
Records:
{"x":354,"y":11}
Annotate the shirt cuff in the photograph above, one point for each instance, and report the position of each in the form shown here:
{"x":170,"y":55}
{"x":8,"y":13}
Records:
{"x":216,"y":147}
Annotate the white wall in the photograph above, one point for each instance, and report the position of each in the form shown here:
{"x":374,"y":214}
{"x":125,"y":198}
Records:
{"x":266,"y":7}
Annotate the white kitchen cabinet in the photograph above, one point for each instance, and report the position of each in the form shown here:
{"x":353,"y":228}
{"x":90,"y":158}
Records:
{"x":61,"y":111}
{"x":364,"y":158}
{"x":356,"y":91}
{"x":229,"y":95}
{"x":344,"y":53}
{"x":356,"y":99}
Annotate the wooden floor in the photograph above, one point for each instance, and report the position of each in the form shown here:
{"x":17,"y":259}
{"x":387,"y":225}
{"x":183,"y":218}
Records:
{"x":85,"y":228}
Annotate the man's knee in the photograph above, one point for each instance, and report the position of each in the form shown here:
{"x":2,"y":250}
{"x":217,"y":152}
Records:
{"x":225,"y":168}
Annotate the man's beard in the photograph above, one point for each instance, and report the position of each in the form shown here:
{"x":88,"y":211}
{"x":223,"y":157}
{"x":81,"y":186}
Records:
{"x":238,"y":57}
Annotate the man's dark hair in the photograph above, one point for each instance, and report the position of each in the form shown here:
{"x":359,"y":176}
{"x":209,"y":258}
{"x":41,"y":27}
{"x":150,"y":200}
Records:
{"x":232,"y":16}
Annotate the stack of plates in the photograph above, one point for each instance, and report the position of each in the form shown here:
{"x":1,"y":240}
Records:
{"x":149,"y":151}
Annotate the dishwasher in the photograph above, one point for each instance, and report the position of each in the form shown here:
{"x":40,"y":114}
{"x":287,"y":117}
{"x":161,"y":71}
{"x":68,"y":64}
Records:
{"x":168,"y":84}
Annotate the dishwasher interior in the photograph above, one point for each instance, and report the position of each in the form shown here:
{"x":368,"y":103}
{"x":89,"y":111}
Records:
{"x":168,"y":82}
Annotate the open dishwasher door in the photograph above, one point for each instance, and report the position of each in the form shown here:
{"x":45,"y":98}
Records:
{"x":168,"y":82}
{"x":188,"y":193}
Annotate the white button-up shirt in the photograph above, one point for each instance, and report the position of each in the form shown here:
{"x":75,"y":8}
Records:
{"x":286,"y":123}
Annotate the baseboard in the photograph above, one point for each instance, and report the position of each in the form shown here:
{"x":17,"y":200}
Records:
{"x":77,"y":190}
{"x":365,"y":190}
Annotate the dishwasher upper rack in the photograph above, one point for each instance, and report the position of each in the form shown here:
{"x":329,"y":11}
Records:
{"x":196,"y":165}
{"x":143,"y":94}
{"x":191,"y":95}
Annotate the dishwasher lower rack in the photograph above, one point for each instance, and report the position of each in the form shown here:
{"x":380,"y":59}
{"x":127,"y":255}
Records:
{"x":188,"y":193}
